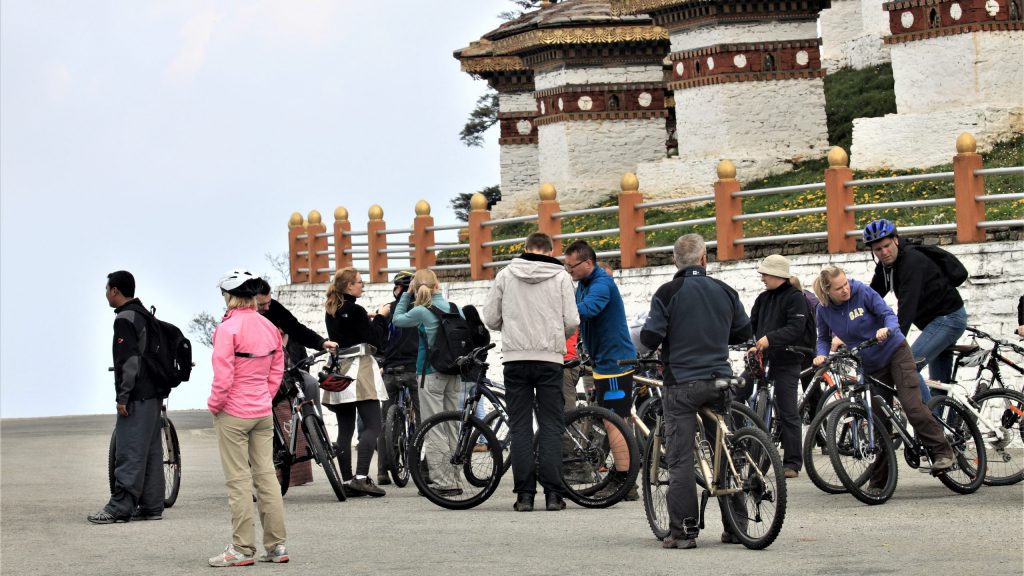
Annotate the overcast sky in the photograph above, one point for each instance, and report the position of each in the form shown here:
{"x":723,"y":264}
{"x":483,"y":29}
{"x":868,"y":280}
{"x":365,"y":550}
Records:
{"x":174,"y":139}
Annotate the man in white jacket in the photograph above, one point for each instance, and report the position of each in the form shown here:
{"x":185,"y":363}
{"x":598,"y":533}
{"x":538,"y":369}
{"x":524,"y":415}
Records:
{"x":533,"y":305}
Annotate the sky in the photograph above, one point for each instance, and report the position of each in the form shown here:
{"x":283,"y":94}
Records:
{"x":174,"y":140}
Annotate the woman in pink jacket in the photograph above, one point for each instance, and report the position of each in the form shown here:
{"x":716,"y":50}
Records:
{"x":248,"y":363}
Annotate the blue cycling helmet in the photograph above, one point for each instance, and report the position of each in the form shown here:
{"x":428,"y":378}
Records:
{"x":878,"y":230}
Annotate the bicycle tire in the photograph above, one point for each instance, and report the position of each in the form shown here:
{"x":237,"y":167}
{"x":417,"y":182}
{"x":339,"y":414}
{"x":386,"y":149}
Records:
{"x":846,"y":431}
{"x":396,"y":444}
{"x":816,"y":459}
{"x":757,"y":461}
{"x":324,"y":455}
{"x":172,"y":462}
{"x":282,"y":459}
{"x":654,"y":485}
{"x":958,"y":425}
{"x":589,"y":458}
{"x":112,"y":460}
{"x":502,"y":432}
{"x":468,"y":477}
{"x":1003,"y":410}
{"x":744,"y":416}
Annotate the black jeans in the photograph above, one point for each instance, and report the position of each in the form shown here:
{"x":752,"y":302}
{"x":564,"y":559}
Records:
{"x":369,"y":413}
{"x":139,"y":461}
{"x":525,"y":381}
{"x":787,"y":378}
{"x":392,"y":383}
{"x":681,"y":403}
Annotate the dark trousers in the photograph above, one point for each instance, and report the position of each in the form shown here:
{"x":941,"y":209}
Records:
{"x":369,"y":413}
{"x":392,"y":383}
{"x":527,"y":383}
{"x":786,"y":378}
{"x":681,"y":404}
{"x":139,"y":461}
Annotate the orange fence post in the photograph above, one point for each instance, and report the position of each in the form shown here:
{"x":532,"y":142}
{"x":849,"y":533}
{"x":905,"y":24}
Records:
{"x":631,"y":217}
{"x":297,"y":244}
{"x":376,"y":242}
{"x":318,"y":254}
{"x":967,"y":188}
{"x":547,"y":222}
{"x":837,"y":197}
{"x":727,"y":206}
{"x":421,"y":238}
{"x":342,"y":241}
{"x":478,"y":234}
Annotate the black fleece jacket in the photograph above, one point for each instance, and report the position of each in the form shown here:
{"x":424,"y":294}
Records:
{"x":401,"y":345}
{"x":783,"y":316}
{"x":300,"y":336}
{"x":350,"y":325}
{"x":922,"y":291}
{"x":130,"y":338}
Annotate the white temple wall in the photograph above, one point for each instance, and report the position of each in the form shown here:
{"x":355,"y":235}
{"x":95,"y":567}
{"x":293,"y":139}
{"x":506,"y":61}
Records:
{"x":741,"y":34}
{"x":516,"y":102}
{"x":610,"y":75}
{"x":520,"y":180}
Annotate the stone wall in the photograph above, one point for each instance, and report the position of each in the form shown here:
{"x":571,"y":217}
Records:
{"x":565,"y":76}
{"x":991,"y":293}
{"x":851,"y":34}
{"x":520,"y":180}
{"x":742,"y":33}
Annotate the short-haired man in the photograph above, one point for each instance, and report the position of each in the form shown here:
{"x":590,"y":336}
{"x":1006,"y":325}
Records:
{"x":925,"y":297}
{"x":694,"y":319}
{"x":532,"y":304}
{"x":139,"y":461}
{"x":605,"y":336}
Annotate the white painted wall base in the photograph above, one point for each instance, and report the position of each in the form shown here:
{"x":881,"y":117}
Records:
{"x":520,"y":180}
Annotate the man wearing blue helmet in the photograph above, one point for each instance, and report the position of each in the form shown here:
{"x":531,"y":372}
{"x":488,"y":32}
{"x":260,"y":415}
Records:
{"x":925,"y":297}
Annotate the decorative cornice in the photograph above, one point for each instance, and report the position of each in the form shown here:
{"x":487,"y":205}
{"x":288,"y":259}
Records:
{"x":805,"y":44}
{"x":599,"y":88}
{"x":911,"y":20}
{"x":756,"y":61}
{"x":954,"y":30}
{"x":493,"y":64}
{"x":517,"y":128}
{"x":588,"y":116}
{"x":746,"y":77}
{"x":582,"y":35}
{"x":601,"y":102}
{"x":626,"y":7}
{"x":676,"y":15}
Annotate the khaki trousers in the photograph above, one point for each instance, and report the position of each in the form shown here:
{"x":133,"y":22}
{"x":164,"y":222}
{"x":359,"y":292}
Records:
{"x":245,"y":441}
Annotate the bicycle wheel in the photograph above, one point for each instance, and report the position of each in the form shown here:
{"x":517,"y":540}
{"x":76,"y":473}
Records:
{"x":855,"y":460}
{"x":396,"y":442}
{"x":316,"y":434}
{"x":655,"y":484}
{"x":743,"y":416}
{"x":457,"y":477}
{"x":756,"y":512}
{"x":588,"y":461}
{"x":817,"y":463}
{"x":1000,"y":412}
{"x":968,"y":470}
{"x":172,"y":462}
{"x":502,"y":432}
{"x":282,"y":459}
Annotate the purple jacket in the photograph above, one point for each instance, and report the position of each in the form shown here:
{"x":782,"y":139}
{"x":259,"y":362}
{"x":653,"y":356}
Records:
{"x":857,"y":320}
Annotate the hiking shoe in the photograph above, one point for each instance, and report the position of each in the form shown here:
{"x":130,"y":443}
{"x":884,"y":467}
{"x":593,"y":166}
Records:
{"x":730,"y":538}
{"x":140,"y":515}
{"x":104,"y":517}
{"x":231,"y":557}
{"x":791,"y":473}
{"x":524,"y":502}
{"x":383,"y":479}
{"x":553,"y":502}
{"x":366,"y":486}
{"x":351,"y":492}
{"x":615,"y":481}
{"x":453,"y":491}
{"x":633,"y":495}
{"x":942,"y":463}
{"x":279,"y":555}
{"x":682,"y":542}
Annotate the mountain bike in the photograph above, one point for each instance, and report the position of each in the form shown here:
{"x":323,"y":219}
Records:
{"x":172,"y":457}
{"x":989,"y":362}
{"x":305,"y":419}
{"x":399,"y":428}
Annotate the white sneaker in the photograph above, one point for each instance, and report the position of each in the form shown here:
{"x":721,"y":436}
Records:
{"x":279,"y":555}
{"x":232,"y":557}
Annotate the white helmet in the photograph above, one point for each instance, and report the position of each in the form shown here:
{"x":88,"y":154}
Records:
{"x":238,"y":282}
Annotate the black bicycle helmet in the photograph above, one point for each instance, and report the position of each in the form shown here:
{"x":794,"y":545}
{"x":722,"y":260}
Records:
{"x":878,"y":230}
{"x":239,"y":282}
{"x":403,"y":279}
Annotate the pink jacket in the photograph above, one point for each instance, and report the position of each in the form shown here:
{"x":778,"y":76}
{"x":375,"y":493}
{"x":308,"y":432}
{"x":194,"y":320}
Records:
{"x":245,"y":386}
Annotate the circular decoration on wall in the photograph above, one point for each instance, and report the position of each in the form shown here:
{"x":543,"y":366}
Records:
{"x":711,"y":63}
{"x":644,"y":99}
{"x":561,"y":105}
{"x":955,"y":11}
{"x":680,"y":69}
{"x":740,"y":61}
{"x":992,"y":7}
{"x":907,"y":19}
{"x":542,"y":107}
{"x":524,"y":127}
{"x":802,"y":58}
{"x":585,"y":103}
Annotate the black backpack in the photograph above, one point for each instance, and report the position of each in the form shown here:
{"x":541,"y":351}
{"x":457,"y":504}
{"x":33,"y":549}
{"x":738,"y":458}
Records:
{"x":454,"y":338}
{"x":951,"y":267}
{"x":168,"y":354}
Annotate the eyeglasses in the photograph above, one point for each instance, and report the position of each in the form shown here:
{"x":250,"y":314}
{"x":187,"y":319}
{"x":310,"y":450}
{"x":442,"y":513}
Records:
{"x":570,"y":267}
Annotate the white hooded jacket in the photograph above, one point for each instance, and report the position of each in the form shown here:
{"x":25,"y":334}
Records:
{"x":533,"y":304}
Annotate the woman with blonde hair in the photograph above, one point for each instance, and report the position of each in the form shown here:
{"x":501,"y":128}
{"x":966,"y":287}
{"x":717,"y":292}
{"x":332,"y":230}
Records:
{"x":349,"y":325}
{"x":248,"y":362}
{"x":420,"y":307}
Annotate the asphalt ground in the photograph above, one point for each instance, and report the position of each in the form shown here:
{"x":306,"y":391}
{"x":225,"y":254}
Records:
{"x":53,"y":473}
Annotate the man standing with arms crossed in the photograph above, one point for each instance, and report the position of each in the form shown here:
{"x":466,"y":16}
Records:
{"x":139,"y":466}
{"x":532,"y":304}
{"x":693,"y":319}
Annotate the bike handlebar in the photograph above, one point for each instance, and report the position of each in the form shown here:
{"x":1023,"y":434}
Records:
{"x":473,"y":356}
{"x":986,"y":336}
{"x":305,"y":362}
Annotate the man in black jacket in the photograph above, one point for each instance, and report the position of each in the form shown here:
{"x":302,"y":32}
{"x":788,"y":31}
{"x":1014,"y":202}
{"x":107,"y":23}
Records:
{"x":299,"y":335}
{"x":139,"y":463}
{"x":780,"y":318}
{"x":693,"y":319}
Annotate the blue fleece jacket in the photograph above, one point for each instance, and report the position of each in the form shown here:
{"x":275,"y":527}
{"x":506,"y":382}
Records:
{"x":603,"y":328}
{"x":857,"y":320}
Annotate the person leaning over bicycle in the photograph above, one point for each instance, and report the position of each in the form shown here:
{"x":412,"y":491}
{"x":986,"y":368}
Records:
{"x":531,"y":302}
{"x":139,"y":468}
{"x":694,"y":319}
{"x":605,"y":336}
{"x":780,"y":318}
{"x":852,"y":312}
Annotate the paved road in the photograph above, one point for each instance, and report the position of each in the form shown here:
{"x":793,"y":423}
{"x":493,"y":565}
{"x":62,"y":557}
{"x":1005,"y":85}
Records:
{"x":54,"y":474}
